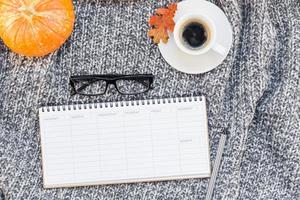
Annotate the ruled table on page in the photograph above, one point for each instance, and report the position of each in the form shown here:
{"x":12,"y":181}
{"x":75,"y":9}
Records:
{"x":124,"y":144}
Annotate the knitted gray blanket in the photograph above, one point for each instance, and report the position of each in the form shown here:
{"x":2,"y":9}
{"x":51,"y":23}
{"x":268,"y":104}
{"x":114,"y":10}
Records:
{"x":255,"y":93}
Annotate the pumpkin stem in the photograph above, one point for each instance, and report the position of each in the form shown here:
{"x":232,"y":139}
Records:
{"x":27,"y":11}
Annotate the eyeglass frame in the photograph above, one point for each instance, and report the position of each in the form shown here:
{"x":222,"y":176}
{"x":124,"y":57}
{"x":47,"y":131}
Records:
{"x":110,"y":79}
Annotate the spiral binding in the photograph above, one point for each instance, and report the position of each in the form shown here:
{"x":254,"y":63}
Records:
{"x":120,"y":104}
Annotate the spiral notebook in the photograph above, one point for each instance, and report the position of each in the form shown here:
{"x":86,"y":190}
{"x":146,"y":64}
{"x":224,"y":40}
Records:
{"x":124,"y":142}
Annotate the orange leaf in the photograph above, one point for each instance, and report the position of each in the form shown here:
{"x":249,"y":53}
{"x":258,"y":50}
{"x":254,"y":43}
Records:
{"x":171,"y":10}
{"x":161,"y":23}
{"x":159,"y":34}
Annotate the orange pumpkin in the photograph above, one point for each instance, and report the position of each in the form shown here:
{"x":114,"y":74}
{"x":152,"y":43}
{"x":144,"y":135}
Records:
{"x":36,"y":27}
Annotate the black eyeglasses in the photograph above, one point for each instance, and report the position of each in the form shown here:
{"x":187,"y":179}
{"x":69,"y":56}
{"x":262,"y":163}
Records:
{"x":93,"y":85}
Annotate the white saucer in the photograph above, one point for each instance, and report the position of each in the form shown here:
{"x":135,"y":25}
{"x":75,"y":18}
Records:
{"x":195,"y":64}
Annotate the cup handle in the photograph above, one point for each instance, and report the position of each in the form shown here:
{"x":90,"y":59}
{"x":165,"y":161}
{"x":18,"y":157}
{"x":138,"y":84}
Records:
{"x":219,"y":49}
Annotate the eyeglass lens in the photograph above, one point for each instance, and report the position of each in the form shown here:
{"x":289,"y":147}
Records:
{"x":132,"y":86}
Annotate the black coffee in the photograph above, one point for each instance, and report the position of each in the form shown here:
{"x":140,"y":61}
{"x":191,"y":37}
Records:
{"x":194,"y":34}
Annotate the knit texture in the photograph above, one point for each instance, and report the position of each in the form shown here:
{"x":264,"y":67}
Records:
{"x":255,"y":93}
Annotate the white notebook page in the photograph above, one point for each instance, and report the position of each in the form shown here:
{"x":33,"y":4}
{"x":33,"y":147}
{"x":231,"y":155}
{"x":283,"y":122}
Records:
{"x":124,"y":144}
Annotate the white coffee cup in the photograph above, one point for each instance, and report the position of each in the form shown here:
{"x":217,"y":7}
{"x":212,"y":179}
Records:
{"x":209,"y":26}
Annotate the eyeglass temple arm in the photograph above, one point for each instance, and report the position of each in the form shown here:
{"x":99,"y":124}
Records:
{"x":82,"y":87}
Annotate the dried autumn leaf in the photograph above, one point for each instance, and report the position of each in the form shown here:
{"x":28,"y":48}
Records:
{"x":168,"y":15}
{"x":161,"y":23}
{"x":159,"y":34}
